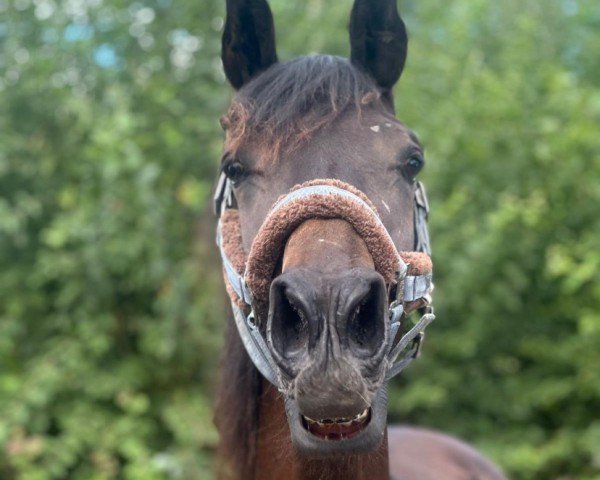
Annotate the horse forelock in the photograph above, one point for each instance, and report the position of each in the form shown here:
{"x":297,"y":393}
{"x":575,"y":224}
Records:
{"x":285,"y":105}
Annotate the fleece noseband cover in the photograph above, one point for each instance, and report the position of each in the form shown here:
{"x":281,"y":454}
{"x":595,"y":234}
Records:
{"x":326,"y":199}
{"x":248,"y":277}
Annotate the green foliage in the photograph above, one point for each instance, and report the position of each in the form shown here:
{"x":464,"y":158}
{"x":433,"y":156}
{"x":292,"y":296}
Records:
{"x":111,"y":313}
{"x":514,"y":176}
{"x":111,"y":304}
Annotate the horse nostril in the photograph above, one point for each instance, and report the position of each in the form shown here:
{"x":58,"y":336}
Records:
{"x":313,"y":316}
{"x":288,"y":325}
{"x":366,"y":318}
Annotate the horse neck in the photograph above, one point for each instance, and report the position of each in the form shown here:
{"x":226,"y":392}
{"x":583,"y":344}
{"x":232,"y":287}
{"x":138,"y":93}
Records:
{"x":276,"y":458}
{"x":237,"y":409}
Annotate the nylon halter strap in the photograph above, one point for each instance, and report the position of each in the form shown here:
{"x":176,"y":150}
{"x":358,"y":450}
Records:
{"x":408,"y":288}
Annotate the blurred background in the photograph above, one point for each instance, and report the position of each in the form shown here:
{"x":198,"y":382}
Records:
{"x":111,"y":300}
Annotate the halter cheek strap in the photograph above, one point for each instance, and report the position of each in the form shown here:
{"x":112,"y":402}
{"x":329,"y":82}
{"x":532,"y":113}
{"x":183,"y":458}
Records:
{"x":248,"y":278}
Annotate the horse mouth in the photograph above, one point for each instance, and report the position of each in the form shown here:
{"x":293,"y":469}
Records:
{"x":321,"y":438}
{"x":337,"y":428}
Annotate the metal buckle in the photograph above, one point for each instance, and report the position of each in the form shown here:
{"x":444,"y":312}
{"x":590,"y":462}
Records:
{"x":396,"y":311}
{"x":219,"y":194}
{"x":421,"y":198}
{"x":251,"y":320}
{"x":223,"y":197}
{"x":398,"y":297}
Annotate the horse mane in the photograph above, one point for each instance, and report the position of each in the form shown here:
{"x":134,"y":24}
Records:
{"x":287,"y":103}
{"x":237,"y":408}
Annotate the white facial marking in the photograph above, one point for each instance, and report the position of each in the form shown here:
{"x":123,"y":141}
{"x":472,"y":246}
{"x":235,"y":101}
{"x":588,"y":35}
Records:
{"x":375,"y":128}
{"x":330,"y":242}
{"x":386,"y":206}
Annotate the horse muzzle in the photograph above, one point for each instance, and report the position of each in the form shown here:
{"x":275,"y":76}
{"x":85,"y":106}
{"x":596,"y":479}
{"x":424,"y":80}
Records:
{"x":329,"y":335}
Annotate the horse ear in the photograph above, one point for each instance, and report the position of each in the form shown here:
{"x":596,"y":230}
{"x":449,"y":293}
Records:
{"x":248,"y":42}
{"x":378,"y":41}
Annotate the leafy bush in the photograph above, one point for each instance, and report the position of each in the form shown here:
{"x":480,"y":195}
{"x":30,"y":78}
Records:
{"x":111,"y":303}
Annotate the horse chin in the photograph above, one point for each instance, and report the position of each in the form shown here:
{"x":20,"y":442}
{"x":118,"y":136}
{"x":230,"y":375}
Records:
{"x":362,"y":435}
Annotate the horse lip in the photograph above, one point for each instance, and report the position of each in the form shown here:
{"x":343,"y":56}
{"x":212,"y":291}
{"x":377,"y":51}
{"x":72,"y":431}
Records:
{"x":368,"y":438}
{"x":338,"y":429}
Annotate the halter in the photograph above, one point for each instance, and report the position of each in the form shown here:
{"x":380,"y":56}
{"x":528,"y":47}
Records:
{"x":248,"y":277}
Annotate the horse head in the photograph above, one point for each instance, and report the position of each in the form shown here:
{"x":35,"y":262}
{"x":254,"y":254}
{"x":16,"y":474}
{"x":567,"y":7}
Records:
{"x":317,"y":198}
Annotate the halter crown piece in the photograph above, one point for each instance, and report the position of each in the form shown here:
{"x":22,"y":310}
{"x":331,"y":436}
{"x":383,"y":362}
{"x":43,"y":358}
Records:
{"x":248,"y":276}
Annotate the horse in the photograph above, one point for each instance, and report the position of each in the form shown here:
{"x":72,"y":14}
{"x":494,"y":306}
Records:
{"x":318,"y":194}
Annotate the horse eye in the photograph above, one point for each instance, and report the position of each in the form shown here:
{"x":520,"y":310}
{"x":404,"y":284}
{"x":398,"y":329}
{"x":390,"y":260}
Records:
{"x":414,"y":165}
{"x":234,"y":170}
